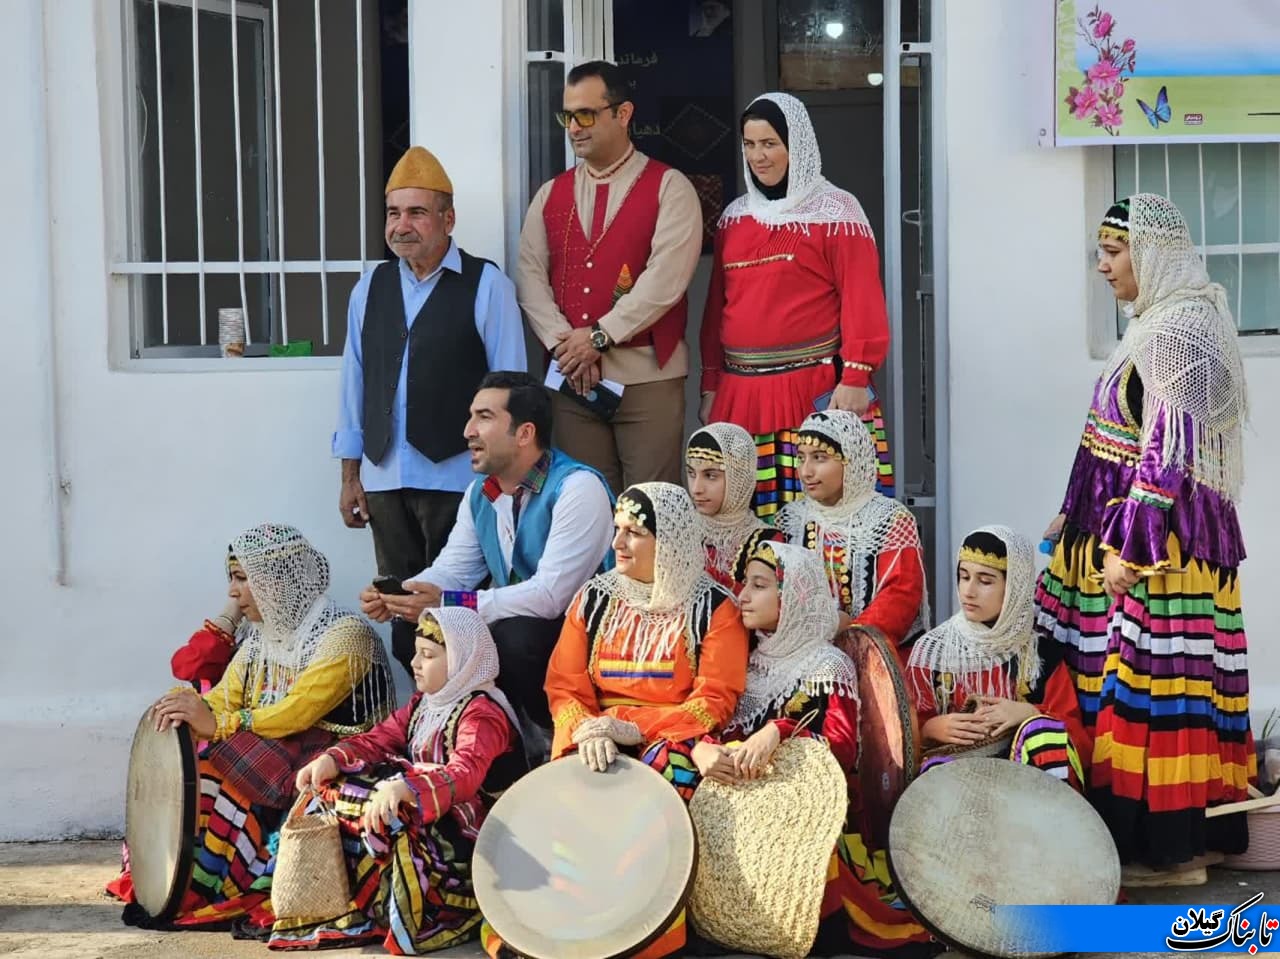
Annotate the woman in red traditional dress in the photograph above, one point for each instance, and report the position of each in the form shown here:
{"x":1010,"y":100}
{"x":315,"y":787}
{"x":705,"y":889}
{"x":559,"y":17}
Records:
{"x":795,"y":310}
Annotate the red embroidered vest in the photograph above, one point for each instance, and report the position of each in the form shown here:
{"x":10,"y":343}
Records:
{"x":590,"y":274}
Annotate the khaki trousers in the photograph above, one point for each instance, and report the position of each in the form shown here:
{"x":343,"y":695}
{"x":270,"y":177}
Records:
{"x":643,"y":442}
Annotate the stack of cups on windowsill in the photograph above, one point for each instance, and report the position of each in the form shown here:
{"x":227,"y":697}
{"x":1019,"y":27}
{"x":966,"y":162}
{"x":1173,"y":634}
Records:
{"x":231,"y":331}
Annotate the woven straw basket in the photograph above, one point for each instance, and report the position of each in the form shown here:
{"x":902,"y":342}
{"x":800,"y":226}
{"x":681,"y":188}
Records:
{"x":1263,"y":854}
{"x":310,"y":880}
{"x":763,"y":852}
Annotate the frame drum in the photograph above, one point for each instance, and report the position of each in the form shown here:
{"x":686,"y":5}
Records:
{"x":575,"y":864}
{"x":161,"y":805}
{"x":970,"y":836}
{"x":888,"y":741}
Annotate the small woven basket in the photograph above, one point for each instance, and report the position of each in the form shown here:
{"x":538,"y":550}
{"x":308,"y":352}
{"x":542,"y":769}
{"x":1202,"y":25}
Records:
{"x":310,"y":880}
{"x":1263,"y":854}
{"x":763,"y":851}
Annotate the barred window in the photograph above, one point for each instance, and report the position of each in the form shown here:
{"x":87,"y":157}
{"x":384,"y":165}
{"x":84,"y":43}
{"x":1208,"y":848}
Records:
{"x":1230,"y":196}
{"x":259,"y":134}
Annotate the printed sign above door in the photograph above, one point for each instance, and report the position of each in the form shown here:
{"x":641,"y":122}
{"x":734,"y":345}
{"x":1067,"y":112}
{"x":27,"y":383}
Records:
{"x":1178,"y":71}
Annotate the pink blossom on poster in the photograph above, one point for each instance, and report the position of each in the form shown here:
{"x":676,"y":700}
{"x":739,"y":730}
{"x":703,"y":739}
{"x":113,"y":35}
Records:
{"x":1103,"y":73}
{"x":1086,"y":101}
{"x":1098,"y":101}
{"x":1109,"y":115}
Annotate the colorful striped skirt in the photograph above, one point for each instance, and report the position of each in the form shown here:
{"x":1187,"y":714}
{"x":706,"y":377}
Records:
{"x":778,"y":483}
{"x":1041,"y":742}
{"x":234,"y":858}
{"x":410,"y":890}
{"x":1164,"y":690}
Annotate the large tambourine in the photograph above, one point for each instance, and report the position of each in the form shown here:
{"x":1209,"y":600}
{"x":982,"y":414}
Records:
{"x":888,"y":737}
{"x":575,"y":864}
{"x":161,"y":805}
{"x":969,"y":837}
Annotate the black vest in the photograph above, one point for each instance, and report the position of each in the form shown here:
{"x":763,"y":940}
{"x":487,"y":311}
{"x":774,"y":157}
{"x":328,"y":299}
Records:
{"x":447,"y":360}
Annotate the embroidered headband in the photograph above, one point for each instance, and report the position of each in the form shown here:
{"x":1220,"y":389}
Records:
{"x":1115,"y":225}
{"x":634,"y":503}
{"x":429,"y":628}
{"x":765,"y":553}
{"x":704,"y":446}
{"x":823,"y":442}
{"x":985,"y":549}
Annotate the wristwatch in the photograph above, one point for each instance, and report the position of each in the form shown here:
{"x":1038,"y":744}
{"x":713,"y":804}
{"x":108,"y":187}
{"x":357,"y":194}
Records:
{"x":599,"y":339}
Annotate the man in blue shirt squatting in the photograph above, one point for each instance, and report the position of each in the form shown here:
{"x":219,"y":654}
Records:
{"x":423,"y":329}
{"x":536,"y":524}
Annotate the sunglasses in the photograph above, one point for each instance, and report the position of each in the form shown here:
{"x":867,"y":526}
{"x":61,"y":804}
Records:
{"x":584,"y":117}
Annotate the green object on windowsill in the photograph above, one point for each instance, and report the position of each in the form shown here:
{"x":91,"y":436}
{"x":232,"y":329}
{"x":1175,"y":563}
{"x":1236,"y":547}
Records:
{"x":296,"y":348}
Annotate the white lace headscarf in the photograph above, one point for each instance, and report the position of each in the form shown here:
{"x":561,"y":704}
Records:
{"x":472,"y":658}
{"x":301,"y":626}
{"x":864,"y":522}
{"x":734,"y":450}
{"x":974,"y":654}
{"x":655,"y":617}
{"x":798,"y":655}
{"x":1182,"y":341}
{"x":811,"y":198}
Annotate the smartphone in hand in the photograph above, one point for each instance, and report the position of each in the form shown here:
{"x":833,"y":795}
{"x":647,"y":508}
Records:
{"x":389,"y":586}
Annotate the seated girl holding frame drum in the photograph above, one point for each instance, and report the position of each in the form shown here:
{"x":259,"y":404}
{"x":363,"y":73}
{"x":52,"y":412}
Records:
{"x":306,"y":672}
{"x":983,"y":682}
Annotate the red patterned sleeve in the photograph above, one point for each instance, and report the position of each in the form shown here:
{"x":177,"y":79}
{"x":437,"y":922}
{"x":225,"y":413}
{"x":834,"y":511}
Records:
{"x":839,"y":729}
{"x":864,"y":324}
{"x":896,"y":604}
{"x":389,"y":740}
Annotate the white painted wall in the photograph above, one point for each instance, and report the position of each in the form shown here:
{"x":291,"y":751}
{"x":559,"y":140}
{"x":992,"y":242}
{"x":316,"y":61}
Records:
{"x":1019,"y":232}
{"x":165,"y":467}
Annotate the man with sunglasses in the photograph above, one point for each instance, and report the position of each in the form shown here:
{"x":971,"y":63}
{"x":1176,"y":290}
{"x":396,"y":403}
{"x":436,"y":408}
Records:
{"x":606,"y":255}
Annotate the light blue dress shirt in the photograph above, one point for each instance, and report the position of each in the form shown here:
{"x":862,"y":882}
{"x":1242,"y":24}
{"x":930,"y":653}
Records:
{"x":500,"y":326}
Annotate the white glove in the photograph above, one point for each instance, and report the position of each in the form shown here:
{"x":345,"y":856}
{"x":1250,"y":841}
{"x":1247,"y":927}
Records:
{"x":598,"y":753}
{"x":622,"y":732}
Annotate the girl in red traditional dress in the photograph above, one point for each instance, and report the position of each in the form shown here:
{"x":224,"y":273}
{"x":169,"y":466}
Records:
{"x":795,"y":310}
{"x":869,"y":543}
{"x":411,"y":795}
{"x":720,"y":471}
{"x":984,"y":674}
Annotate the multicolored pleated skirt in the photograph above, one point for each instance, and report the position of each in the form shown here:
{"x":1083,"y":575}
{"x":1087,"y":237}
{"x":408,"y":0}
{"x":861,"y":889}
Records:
{"x":410,"y":890}
{"x":1164,"y":690}
{"x":778,"y":483}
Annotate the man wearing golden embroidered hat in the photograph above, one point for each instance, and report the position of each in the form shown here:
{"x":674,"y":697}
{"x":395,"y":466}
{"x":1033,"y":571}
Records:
{"x":423,"y":329}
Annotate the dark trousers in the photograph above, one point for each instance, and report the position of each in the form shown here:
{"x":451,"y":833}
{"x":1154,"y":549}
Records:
{"x":410,"y":527}
{"x":524,"y":649}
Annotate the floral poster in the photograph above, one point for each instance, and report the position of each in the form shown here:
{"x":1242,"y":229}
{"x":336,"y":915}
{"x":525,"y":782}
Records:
{"x":1176,"y":71}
